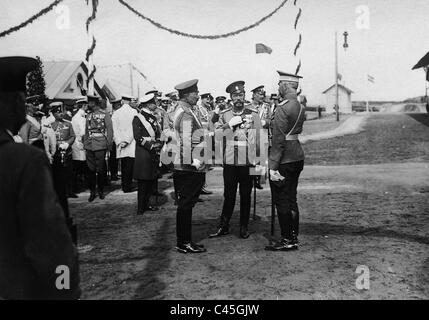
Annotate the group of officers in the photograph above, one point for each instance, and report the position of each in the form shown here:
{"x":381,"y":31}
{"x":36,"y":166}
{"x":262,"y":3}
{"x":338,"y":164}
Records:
{"x":136,"y":131}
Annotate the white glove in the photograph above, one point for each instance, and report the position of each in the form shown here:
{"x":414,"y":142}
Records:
{"x":217,"y":110}
{"x":196,"y":163}
{"x":263,"y":122}
{"x":123,"y":144}
{"x":260,"y":170}
{"x":64,"y":146}
{"x":276,"y":176}
{"x":235,"y":121}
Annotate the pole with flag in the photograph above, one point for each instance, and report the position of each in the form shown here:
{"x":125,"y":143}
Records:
{"x":371,"y":79}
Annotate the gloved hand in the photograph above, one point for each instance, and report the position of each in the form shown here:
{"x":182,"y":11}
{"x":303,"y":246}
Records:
{"x":235,"y":121}
{"x":263,"y":122}
{"x":64,"y":146}
{"x":197,"y":164}
{"x":260,"y":170}
{"x":123,"y":144}
{"x":276,"y":176}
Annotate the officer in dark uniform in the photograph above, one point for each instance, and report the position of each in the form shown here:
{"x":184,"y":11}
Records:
{"x":34,"y":239}
{"x":189,"y":173}
{"x":236,"y":125}
{"x":97,"y":141}
{"x":286,"y":161}
{"x":147,"y":134}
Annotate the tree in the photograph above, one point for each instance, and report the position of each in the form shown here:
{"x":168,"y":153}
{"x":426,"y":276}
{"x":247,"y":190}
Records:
{"x":36,"y":83}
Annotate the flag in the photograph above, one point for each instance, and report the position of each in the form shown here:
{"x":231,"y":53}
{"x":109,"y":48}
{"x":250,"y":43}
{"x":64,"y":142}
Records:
{"x":371,"y":79}
{"x":262,"y":48}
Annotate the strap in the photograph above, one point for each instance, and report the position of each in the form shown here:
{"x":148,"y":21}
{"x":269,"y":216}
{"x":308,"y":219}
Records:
{"x":147,"y":125}
{"x":296,"y":122}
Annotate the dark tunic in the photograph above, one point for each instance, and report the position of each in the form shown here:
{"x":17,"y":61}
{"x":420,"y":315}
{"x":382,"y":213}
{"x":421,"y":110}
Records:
{"x":34,"y":239}
{"x":146,"y":164}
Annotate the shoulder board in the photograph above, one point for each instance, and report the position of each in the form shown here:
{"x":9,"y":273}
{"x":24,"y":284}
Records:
{"x":67,"y":121}
{"x":225,"y":111}
{"x":283,"y":102}
{"x":251,"y":109}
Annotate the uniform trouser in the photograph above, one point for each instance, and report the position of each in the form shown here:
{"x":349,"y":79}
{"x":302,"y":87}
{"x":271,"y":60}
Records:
{"x":188,"y":187}
{"x":232,"y":176}
{"x":96,"y":169}
{"x":284,"y":197}
{"x":80,"y":175}
{"x":113,"y":162}
{"x":143,"y":194}
{"x":127,"y":167}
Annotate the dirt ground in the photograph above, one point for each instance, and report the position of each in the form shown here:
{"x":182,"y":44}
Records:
{"x":375,"y":213}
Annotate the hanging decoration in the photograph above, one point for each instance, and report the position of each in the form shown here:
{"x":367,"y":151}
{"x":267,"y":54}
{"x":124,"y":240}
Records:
{"x":92,"y":43}
{"x":199,"y":36}
{"x":31,"y":19}
{"x":298,"y":45}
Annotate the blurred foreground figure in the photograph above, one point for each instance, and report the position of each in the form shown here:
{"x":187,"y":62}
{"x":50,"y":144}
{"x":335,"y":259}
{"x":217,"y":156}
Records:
{"x":34,"y":240}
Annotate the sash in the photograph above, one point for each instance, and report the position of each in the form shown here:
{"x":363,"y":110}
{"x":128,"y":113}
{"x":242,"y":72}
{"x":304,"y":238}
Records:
{"x":147,"y":125}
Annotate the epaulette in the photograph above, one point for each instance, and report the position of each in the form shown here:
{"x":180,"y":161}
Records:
{"x":251,"y":109}
{"x":224,"y":111}
{"x":67,"y":121}
{"x":283,"y":102}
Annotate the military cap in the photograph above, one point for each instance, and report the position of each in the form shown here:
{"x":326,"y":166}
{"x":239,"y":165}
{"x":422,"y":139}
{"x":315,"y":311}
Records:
{"x":284,"y":76}
{"x":235,"y":87}
{"x":147,"y":98}
{"x":33,"y":99}
{"x":116,"y":100}
{"x":165,"y":98}
{"x":187,"y":87}
{"x":56,"y":106}
{"x":127,"y":97}
{"x":258,"y":89}
{"x":13,"y":72}
{"x":93,"y":98}
{"x":82,"y":99}
{"x":206,"y":96}
{"x":220,"y":99}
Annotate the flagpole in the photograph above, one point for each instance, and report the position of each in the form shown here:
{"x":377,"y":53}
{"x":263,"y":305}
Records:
{"x":337,"y":107}
{"x":367,"y":94}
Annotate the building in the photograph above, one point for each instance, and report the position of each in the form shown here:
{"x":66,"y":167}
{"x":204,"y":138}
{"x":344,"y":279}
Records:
{"x":344,"y":99}
{"x":67,"y":80}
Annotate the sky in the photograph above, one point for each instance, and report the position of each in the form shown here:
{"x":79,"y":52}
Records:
{"x":396,"y":38}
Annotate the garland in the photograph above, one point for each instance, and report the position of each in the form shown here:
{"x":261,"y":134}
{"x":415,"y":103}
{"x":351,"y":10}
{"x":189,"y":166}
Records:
{"x":90,"y":51}
{"x":31,"y":19}
{"x":298,"y":45}
{"x":199,"y":36}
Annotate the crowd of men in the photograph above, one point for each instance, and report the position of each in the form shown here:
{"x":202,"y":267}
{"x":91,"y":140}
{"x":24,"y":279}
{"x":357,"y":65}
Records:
{"x":82,"y":144}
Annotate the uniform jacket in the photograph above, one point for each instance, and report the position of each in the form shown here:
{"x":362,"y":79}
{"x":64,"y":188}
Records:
{"x":186,"y":122}
{"x":284,"y":118}
{"x":79,"y":123}
{"x":122,"y":120}
{"x":64,"y":133}
{"x":264,"y":112}
{"x":34,"y":239}
{"x":98,"y":131}
{"x":49,"y":138}
{"x":240,"y":144}
{"x":31,"y":130}
{"x":147,"y":131}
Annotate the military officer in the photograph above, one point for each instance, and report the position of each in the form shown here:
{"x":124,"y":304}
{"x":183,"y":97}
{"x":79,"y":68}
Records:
{"x":122,"y":121}
{"x":79,"y":155}
{"x":264,"y":111}
{"x":97,"y":141}
{"x":189,"y":171}
{"x":34,"y":239}
{"x":113,"y":160}
{"x":147,"y":134}
{"x":235,"y":126}
{"x":62,"y":163}
{"x":286,"y":160}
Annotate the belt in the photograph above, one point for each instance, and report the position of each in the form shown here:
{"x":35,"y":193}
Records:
{"x":237,"y":143}
{"x":292,"y":137}
{"x":96,"y":134}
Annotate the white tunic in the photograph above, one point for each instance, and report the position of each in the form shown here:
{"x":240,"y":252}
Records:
{"x":79,"y":124}
{"x":122,"y":121}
